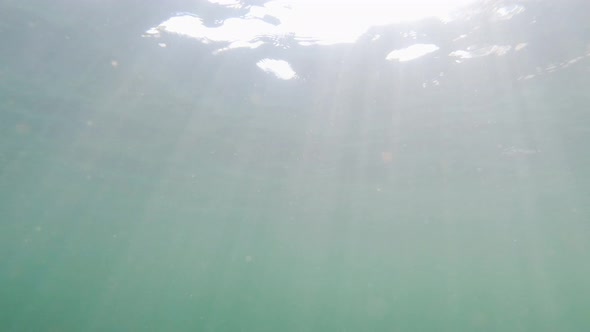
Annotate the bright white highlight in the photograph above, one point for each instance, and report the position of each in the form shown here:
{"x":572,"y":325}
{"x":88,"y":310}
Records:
{"x":280,"y":68}
{"x":310,"y":22}
{"x":413,"y":52}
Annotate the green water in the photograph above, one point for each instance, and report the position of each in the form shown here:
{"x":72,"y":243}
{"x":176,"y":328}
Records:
{"x":176,"y":191}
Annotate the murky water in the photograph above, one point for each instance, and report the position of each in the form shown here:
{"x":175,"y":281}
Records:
{"x":152,"y":180}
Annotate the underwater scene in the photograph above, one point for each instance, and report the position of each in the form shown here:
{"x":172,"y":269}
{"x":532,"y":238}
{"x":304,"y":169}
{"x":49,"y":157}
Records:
{"x":284,"y":165}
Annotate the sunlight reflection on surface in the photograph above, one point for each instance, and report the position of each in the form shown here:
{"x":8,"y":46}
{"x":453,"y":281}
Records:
{"x":310,"y":22}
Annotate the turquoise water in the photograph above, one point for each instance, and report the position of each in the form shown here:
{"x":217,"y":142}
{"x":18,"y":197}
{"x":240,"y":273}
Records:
{"x":145,"y":188}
